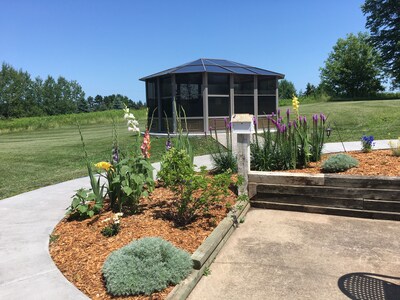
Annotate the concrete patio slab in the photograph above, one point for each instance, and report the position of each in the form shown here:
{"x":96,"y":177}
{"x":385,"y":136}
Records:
{"x":291,"y":255}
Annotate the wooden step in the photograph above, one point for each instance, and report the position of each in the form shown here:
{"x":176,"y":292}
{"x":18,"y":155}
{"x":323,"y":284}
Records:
{"x":330,"y":192}
{"x":371,"y":214}
{"x":357,"y":203}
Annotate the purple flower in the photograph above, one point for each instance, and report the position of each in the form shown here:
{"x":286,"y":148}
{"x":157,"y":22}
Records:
{"x":168,"y":144}
{"x":300,"y":119}
{"x":283,"y":128}
{"x":288,"y":112}
{"x":322,"y":117}
{"x":295,"y":124}
{"x":290,"y":124}
{"x":305,"y":120}
{"x":226,"y":122}
{"x":315,"y":118}
{"x":255,"y":121}
{"x":115,"y":155}
{"x":273,"y":114}
{"x":229,"y":125}
{"x":279,"y":112}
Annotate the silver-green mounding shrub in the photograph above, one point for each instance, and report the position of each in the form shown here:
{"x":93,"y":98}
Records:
{"x":339,"y":163}
{"x":145,"y":266}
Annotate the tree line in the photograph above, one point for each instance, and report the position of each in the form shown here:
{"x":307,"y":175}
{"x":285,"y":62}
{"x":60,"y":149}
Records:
{"x":22,"y":96}
{"x":361,"y":63}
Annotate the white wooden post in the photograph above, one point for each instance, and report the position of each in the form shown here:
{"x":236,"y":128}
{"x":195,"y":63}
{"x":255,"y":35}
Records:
{"x":242,"y":125}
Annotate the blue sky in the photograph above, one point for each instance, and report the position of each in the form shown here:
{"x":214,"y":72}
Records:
{"x":108,"y":45}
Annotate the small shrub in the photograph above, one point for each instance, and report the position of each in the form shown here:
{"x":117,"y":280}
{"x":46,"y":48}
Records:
{"x":339,"y":163}
{"x":145,"y":266}
{"x":395,"y":147}
{"x":195,"y":192}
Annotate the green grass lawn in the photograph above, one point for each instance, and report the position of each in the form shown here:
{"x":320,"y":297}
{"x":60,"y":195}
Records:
{"x":36,"y":158}
{"x":352,"y":119}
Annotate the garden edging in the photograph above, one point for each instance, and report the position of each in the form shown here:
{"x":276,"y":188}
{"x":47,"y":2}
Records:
{"x":207,"y":251}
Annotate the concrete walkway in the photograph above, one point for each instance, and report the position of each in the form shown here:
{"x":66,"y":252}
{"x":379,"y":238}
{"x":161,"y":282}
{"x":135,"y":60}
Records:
{"x":291,"y":255}
{"x":27,"y":220}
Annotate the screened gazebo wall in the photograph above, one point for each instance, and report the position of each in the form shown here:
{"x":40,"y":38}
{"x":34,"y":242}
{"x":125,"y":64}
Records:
{"x":206,"y":99}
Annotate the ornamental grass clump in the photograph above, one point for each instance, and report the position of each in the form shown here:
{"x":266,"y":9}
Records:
{"x":223,"y":157}
{"x":145,"y":266}
{"x":395,"y":147}
{"x":339,"y":163}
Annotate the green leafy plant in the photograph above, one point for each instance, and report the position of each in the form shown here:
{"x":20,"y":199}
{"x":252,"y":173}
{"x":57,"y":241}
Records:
{"x":113,"y":225}
{"x":145,"y":266}
{"x":128,"y":181}
{"x":339,"y":163}
{"x":223,"y":157}
{"x":83,"y":205}
{"x":207,"y":271}
{"x":53,"y":238}
{"x":195,"y":192}
{"x":86,"y":203}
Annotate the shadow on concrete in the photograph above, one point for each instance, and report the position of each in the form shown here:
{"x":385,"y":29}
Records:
{"x":368,"y":286}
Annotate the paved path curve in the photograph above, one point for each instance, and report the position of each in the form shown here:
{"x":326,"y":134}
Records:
{"x":27,"y":220}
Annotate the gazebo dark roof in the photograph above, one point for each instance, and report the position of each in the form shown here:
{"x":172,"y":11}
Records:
{"x":215,"y":66}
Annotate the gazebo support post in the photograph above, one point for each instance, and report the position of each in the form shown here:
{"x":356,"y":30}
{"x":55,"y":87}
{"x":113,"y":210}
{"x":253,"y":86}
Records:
{"x":205,"y":101}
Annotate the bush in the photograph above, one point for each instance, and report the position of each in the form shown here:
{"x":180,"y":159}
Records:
{"x":195,"y":192}
{"x":339,"y":163}
{"x":145,"y":266}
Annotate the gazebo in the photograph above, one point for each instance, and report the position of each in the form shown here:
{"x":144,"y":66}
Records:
{"x":209,"y":91}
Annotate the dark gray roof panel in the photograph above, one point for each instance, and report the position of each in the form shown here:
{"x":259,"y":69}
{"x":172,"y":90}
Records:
{"x":190,"y":69}
{"x":215,"y":66}
{"x":216,"y":69}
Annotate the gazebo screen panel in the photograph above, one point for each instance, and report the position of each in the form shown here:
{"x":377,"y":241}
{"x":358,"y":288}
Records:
{"x":266,"y":85}
{"x":152,"y":101}
{"x":266,"y":105}
{"x":244,"y":104}
{"x":244,"y":84}
{"x":218,"y":84}
{"x":218,"y":106}
{"x":189,"y":94}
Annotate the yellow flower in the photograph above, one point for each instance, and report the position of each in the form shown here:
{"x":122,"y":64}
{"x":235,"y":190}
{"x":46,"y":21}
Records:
{"x":295,"y":103}
{"x":103,"y":165}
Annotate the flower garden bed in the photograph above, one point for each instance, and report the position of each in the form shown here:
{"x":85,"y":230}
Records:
{"x":79,"y":249}
{"x":374,"y":163}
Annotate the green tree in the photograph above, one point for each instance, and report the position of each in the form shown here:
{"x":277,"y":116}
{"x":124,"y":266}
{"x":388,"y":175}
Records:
{"x":383,"y":21}
{"x":353,"y":68}
{"x":16,"y":93}
{"x":310,"y":90}
{"x":286,"y":89}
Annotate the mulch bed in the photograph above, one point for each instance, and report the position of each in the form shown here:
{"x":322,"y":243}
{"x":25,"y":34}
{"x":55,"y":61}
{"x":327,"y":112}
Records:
{"x":375,"y":163}
{"x":81,"y":249}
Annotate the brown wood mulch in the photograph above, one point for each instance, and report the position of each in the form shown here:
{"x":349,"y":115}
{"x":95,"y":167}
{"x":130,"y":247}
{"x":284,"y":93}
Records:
{"x":80,"y":249}
{"x":375,"y":163}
